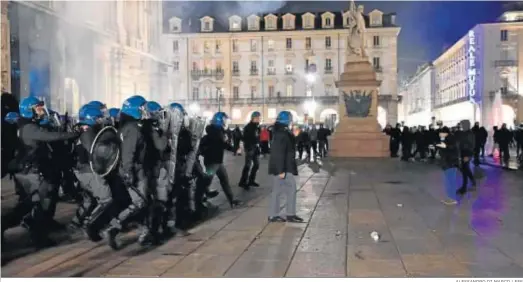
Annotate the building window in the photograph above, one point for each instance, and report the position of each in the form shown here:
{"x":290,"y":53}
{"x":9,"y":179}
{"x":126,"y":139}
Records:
{"x":194,"y":66}
{"x":176,"y":46}
{"x":288,"y":43}
{"x":236,"y":92}
{"x":235,"y":25}
{"x":270,"y":44}
{"x":504,"y":35}
{"x":176,"y":66}
{"x":235,"y":45}
{"x":254,"y":68}
{"x":308,"y":92}
{"x":376,"y":40}
{"x":288,"y":23}
{"x":235,"y":67}
{"x":207,"y":26}
{"x":308,"y":43}
{"x":504,"y":85}
{"x":328,"y":64}
{"x":288,"y":66}
{"x":271,"y":69}
{"x":289,"y":90}
{"x":195,"y":93}
{"x":327,"y":42}
{"x":206,"y":47}
{"x":376,"y":62}
{"x":271,"y":91}
{"x":270,"y":23}
{"x":328,"y":22}
{"x":252,"y":24}
{"x":253,"y":45}
{"x":218,"y":46}
{"x":253,"y":91}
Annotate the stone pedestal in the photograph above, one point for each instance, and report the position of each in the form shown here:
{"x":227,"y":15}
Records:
{"x":358,"y":134}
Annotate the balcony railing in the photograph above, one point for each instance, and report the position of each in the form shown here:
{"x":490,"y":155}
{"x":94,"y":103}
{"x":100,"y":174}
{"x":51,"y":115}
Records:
{"x":235,"y":73}
{"x":271,"y":72}
{"x":254,"y":71}
{"x":276,"y":100}
{"x":289,"y":72}
{"x":505,"y":63}
{"x":212,"y":101}
{"x":328,"y":70}
{"x":217,"y":73}
{"x":378,"y":69}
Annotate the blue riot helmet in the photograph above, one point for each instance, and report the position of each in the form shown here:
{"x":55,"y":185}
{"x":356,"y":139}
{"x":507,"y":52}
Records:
{"x":100,"y":106}
{"x":114,"y":113}
{"x":31,"y":106}
{"x":134,"y":107}
{"x":177,"y":106}
{"x":284,"y":117}
{"x":12,"y":117}
{"x":220,"y":119}
{"x":90,"y":115}
{"x":153,"y":109}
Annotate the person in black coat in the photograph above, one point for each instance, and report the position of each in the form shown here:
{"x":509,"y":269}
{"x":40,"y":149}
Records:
{"x":212,"y":147}
{"x":449,"y":153}
{"x":406,"y":144}
{"x":251,"y":144}
{"x":283,"y":168}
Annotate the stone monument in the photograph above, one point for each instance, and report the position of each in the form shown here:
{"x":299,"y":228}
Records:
{"x":358,"y":134}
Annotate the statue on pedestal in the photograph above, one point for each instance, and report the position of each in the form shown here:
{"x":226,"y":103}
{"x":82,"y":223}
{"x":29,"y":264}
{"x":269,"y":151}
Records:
{"x":356,"y":30}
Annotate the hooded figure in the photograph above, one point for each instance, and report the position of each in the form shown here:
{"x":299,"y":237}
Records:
{"x":466,"y":144}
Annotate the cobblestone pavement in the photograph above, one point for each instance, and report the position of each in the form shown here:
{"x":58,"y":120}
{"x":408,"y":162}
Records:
{"x":342,"y":202}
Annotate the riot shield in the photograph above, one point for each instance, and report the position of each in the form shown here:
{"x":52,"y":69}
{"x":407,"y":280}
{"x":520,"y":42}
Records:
{"x":105,"y":151}
{"x":174,"y":121}
{"x":197,"y":129}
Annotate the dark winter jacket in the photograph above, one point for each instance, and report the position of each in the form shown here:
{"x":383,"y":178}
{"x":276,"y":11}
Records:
{"x":282,"y":159}
{"x":450,"y":154}
{"x":213,"y":144}
{"x":466,"y":139}
{"x":251,"y":136}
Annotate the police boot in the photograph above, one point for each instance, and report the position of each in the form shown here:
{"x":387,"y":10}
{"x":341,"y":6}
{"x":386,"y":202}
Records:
{"x":111,"y":234}
{"x":37,"y":231}
{"x":95,"y":222}
{"x":147,"y":237}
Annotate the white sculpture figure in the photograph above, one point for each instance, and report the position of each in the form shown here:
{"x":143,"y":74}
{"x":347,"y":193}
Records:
{"x":356,"y":30}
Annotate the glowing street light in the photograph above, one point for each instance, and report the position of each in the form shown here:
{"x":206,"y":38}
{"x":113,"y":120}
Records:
{"x":310,"y":106}
{"x":311,"y":77}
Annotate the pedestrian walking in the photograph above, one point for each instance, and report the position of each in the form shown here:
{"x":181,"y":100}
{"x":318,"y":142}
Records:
{"x":449,"y":153}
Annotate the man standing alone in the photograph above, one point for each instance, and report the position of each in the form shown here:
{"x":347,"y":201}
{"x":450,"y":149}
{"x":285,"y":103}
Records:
{"x":283,"y":168}
{"x":251,"y":144}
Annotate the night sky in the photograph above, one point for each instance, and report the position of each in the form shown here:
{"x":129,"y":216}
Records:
{"x":427,"y":27}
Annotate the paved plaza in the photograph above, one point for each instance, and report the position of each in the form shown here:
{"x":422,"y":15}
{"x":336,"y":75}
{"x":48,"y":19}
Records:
{"x":342,"y":203}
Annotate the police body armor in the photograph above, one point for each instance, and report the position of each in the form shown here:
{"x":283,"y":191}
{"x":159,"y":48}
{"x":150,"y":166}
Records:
{"x":197,"y":129}
{"x":173,"y":123}
{"x":105,"y":152}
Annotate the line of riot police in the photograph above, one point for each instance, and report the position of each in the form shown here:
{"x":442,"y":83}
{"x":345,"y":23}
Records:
{"x":134,"y":165}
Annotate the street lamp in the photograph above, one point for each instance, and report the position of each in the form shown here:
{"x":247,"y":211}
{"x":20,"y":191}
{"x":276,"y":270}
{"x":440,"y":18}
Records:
{"x":310,"y":106}
{"x":311,"y":78}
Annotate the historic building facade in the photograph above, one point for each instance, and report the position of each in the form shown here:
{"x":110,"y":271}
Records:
{"x":417,"y":97}
{"x":271,"y":62}
{"x":479,"y":77}
{"x":71,"y":52}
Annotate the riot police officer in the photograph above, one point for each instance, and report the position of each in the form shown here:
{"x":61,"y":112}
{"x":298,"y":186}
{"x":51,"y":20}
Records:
{"x":35,"y":172}
{"x":132,"y":171}
{"x":114,"y":115}
{"x":97,"y":159}
{"x":156,"y":143}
